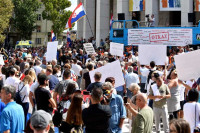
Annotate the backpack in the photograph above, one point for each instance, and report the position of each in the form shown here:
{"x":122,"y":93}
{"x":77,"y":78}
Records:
{"x":18,"y":98}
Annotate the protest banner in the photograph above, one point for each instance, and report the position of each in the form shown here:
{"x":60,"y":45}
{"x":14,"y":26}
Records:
{"x":187,"y":65}
{"x":169,"y":37}
{"x":116,"y":49}
{"x":51,"y":50}
{"x":148,"y":53}
{"x":89,"y":48}
{"x":110,"y":70}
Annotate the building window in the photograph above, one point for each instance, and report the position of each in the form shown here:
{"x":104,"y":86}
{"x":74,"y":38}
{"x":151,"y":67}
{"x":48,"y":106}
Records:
{"x":38,"y":40}
{"x":39,"y":17}
{"x":38,"y":29}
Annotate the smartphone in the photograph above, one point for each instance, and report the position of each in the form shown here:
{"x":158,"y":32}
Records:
{"x":125,"y":99}
{"x":86,"y":93}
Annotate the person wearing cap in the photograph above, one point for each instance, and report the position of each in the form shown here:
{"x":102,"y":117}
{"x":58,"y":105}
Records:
{"x":40,"y":121}
{"x":12,"y":116}
{"x":117,"y":108}
{"x":43,"y":97}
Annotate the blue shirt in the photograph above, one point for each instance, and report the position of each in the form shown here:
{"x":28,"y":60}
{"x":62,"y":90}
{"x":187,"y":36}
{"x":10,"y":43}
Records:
{"x":12,"y":118}
{"x":2,"y":105}
{"x":118,"y":111}
{"x":131,"y":78}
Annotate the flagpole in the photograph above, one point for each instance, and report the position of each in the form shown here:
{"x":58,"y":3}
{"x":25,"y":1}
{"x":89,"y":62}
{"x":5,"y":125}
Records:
{"x":90,"y":25}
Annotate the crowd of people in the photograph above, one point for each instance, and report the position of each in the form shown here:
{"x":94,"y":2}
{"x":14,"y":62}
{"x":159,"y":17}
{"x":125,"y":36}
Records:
{"x":39,"y":95}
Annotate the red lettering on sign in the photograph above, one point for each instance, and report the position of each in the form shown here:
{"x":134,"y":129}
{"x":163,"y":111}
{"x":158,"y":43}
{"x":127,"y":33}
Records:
{"x":157,"y":37}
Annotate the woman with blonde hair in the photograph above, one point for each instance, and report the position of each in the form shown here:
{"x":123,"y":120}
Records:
{"x":24,"y":89}
{"x":74,"y":120}
{"x":32,"y":74}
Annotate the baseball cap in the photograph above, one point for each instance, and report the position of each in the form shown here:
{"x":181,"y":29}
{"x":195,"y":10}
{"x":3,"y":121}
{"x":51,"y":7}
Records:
{"x":40,"y":119}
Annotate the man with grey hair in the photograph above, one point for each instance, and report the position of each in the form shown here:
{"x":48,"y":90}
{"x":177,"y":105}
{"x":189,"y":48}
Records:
{"x":37,"y":68}
{"x":40,"y":121}
{"x":12,"y":117}
{"x":117,"y":108}
{"x":130,"y":78}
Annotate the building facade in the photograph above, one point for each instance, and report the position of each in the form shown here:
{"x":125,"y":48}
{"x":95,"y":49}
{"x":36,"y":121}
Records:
{"x":167,"y":13}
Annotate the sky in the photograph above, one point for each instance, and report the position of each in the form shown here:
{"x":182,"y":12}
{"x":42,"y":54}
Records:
{"x":72,"y":7}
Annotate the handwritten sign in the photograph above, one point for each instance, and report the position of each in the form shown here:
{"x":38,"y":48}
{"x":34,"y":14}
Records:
{"x":89,"y":48}
{"x":116,"y":49}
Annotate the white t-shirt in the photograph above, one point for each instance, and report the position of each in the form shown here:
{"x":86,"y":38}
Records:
{"x":3,"y":77}
{"x":24,"y":93}
{"x":12,"y":81}
{"x":37,"y":69}
{"x":35,"y":85}
{"x":189,"y":114}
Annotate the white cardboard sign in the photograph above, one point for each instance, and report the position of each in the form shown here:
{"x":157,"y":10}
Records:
{"x":187,"y":65}
{"x":148,"y":53}
{"x":89,"y":48}
{"x":116,"y":49}
{"x":51,"y":50}
{"x":110,"y":70}
{"x":1,"y":60}
{"x":169,"y":37}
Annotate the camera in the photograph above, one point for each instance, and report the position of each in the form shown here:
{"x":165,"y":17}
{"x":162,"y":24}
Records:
{"x":147,"y":16}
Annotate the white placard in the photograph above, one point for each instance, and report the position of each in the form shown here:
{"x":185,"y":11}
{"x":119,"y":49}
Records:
{"x":169,"y":37}
{"x":110,"y":70}
{"x":170,"y":5}
{"x":148,"y":53}
{"x":116,"y":49}
{"x":89,"y":48}
{"x":1,"y":60}
{"x":187,"y":65}
{"x":156,"y":92}
{"x":51,"y":50}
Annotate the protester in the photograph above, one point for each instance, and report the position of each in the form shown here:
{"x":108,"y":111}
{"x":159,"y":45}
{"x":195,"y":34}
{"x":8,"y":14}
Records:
{"x":131,"y":78}
{"x":43,"y":97}
{"x":160,"y":92}
{"x":60,"y":88}
{"x":117,"y":108}
{"x":74,"y":120}
{"x":179,"y":126}
{"x":143,"y":122}
{"x":97,"y":83}
{"x":12,"y":116}
{"x":173,"y":103}
{"x":40,"y":121}
{"x":191,"y":110}
{"x":24,"y":89}
{"x":96,"y":117}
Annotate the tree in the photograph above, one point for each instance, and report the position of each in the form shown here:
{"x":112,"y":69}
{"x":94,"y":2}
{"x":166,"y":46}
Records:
{"x":55,"y":12}
{"x":25,"y":17}
{"x":6,"y":8}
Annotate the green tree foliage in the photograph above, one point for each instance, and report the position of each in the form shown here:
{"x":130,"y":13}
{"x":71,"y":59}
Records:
{"x":25,"y":17}
{"x":55,"y":12}
{"x":6,"y":7}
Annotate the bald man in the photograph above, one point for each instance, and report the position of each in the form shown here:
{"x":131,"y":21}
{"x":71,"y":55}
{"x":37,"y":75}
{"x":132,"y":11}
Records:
{"x":143,"y":122}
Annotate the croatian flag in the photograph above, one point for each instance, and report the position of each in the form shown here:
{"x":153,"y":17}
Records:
{"x":111,"y":19}
{"x":53,"y":37}
{"x":68,"y":41}
{"x":77,"y":14}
